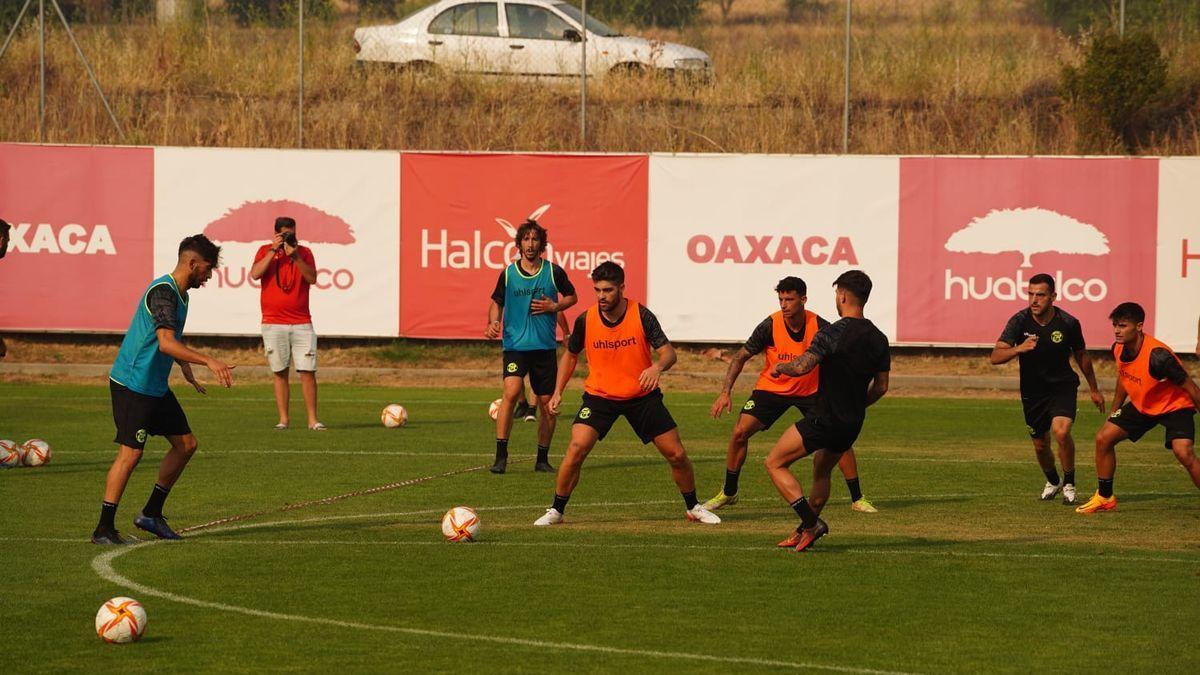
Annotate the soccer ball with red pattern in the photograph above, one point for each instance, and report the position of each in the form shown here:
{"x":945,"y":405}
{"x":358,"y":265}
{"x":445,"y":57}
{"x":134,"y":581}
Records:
{"x":35,"y":452}
{"x":121,"y":620}
{"x":494,"y":408}
{"x":10,"y":454}
{"x":394,"y":416}
{"x":460,"y":524}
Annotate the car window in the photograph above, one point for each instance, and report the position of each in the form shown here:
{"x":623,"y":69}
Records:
{"x":534,"y":23}
{"x":476,"y":18}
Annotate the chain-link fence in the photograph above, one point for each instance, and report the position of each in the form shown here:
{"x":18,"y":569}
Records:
{"x":924,"y":76}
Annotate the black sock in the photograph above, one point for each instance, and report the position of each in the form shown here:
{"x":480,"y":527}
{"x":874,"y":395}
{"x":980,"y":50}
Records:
{"x":731,"y":482}
{"x":808,"y":517}
{"x":689,"y":498}
{"x":543,"y":453}
{"x":1106,"y":487}
{"x":1052,"y":476}
{"x":1069,"y":477}
{"x":560,"y":502}
{"x":108,"y":516}
{"x":855,"y":489}
{"x":501,"y":448}
{"x":153,"y":507}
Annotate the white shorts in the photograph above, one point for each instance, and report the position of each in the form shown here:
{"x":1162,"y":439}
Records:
{"x":286,"y":344}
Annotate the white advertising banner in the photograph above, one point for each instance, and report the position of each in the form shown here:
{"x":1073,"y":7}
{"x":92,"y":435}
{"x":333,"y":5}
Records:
{"x":725,"y":229}
{"x":1178,"y":282}
{"x":347,"y":210}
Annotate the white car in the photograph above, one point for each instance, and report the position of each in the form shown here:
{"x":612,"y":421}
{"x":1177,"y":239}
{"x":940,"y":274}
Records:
{"x":538,"y":38}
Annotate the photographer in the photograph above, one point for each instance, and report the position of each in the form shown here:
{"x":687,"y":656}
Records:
{"x":287,"y":270}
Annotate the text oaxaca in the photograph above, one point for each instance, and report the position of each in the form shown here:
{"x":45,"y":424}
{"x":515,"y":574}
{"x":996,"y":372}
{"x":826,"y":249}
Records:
{"x":70,"y":239}
{"x":769,"y":249}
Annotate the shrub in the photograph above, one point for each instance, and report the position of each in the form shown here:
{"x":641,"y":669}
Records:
{"x":1115,"y":82}
{"x":666,"y":13}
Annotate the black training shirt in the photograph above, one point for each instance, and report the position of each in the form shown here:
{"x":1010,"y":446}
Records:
{"x":1047,"y":368}
{"x":162,"y":302}
{"x":654,"y":332}
{"x":851,"y":352}
{"x":764,"y":335}
{"x":561,"y":282}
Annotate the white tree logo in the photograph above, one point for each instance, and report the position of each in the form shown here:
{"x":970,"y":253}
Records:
{"x":512,"y":230}
{"x":1028,"y":232}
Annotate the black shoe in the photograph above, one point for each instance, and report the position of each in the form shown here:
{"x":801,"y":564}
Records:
{"x":500,"y":465}
{"x":107,"y":535}
{"x":525,"y":411}
{"x":544,"y":467}
{"x":156,"y":526}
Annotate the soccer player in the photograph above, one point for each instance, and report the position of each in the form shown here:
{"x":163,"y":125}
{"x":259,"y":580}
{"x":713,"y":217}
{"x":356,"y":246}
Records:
{"x":1159,"y":392}
{"x":618,"y":335}
{"x":1044,"y":338}
{"x":142,"y":403}
{"x":527,"y":298}
{"x":784,"y":335}
{"x":855,"y":364}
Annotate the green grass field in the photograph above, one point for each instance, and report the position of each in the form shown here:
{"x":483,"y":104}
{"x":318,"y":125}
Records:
{"x":963,"y":569}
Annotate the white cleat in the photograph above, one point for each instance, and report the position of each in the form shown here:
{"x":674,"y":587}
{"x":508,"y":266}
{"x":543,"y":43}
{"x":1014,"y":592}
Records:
{"x":1068,"y":494}
{"x":1050,"y":490}
{"x":552,"y":517}
{"x":699,"y":514}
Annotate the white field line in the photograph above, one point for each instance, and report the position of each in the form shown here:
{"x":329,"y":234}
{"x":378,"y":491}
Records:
{"x":103,"y":566}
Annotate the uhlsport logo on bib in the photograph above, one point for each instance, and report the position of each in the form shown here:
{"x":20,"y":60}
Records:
{"x":973,"y":232}
{"x":244,"y":226}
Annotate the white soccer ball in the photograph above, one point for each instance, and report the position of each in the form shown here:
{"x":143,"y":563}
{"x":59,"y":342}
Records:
{"x":460,"y":524}
{"x":121,"y":620}
{"x":10,"y":454}
{"x":394,"y":416}
{"x":494,"y":408}
{"x":35,"y":452}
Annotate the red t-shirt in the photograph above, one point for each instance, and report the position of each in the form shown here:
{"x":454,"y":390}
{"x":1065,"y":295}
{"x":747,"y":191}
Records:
{"x":284,"y":290}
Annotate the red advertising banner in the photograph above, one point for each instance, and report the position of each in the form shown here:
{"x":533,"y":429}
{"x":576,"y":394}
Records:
{"x":974,"y":230}
{"x":82,"y":235}
{"x":458,"y":215}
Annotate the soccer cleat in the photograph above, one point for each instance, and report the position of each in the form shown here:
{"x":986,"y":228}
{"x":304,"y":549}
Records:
{"x":525,"y":411}
{"x":1068,"y":494}
{"x":791,"y":541}
{"x":1050,"y":490}
{"x":699,"y":514}
{"x":1097,"y":504}
{"x":155,"y":526}
{"x":810,"y":535}
{"x":863,"y":505}
{"x":544,"y":467}
{"x":107,"y":535}
{"x":318,"y":427}
{"x":552,"y":517}
{"x":500,"y":465}
{"x":720,"y":500}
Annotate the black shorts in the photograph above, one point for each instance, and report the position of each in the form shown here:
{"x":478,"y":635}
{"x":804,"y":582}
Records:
{"x":541,"y":366}
{"x":1179,"y":424}
{"x":767,"y":407}
{"x":1040,"y":411}
{"x":821,"y":434}
{"x":139,"y":416}
{"x":648,"y":415}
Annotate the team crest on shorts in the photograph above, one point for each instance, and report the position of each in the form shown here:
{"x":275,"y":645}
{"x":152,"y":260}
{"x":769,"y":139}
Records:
{"x":140,"y":435}
{"x":512,"y":367}
{"x":585,"y":413}
{"x":1030,"y":430}
{"x":1115,"y":415}
{"x":749,"y":405}
{"x":1056,"y":337}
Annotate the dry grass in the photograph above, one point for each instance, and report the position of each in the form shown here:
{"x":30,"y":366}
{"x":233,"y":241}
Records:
{"x":930,"y":76}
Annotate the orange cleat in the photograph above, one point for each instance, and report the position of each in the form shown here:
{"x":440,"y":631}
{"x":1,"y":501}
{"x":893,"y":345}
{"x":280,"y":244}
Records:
{"x":810,"y":535}
{"x":1098,"y":503}
{"x":791,"y":541}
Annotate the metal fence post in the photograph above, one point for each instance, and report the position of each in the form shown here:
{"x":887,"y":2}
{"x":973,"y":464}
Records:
{"x":42,"y":71}
{"x":1121,"y":26}
{"x":846,"y":92}
{"x":300,"y":97}
{"x":583,"y":82}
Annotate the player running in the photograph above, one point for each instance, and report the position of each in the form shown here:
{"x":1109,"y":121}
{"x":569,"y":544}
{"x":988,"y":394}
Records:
{"x":527,"y":298}
{"x":618,"y":335}
{"x":1159,"y":392}
{"x":784,"y":335}
{"x":1044,"y":338}
{"x":142,"y":403}
{"x":855,"y":363}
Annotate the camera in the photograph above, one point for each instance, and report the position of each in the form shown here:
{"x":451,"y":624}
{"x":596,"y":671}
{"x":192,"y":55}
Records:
{"x":289,"y":238}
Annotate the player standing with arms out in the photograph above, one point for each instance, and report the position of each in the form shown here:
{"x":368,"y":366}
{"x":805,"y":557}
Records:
{"x":855,"y":364}
{"x":784,"y":335}
{"x":618,"y":335}
{"x":1044,"y":338}
{"x":527,"y":297}
{"x":142,"y":403}
{"x":1159,"y":392}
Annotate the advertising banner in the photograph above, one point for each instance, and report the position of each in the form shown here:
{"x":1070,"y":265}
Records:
{"x":1177,"y":319}
{"x":347,"y":210}
{"x":974,"y":230}
{"x":725,"y":229}
{"x":81,"y":238}
{"x":459,"y":214}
